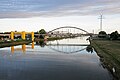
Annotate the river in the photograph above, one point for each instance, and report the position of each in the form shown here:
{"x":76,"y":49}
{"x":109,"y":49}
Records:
{"x":66,"y":59}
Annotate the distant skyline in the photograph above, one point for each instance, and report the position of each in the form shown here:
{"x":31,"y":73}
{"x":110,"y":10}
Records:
{"x":32,"y":15}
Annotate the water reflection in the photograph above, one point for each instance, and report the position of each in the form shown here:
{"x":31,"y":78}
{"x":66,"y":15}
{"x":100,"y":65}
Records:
{"x":89,"y":48}
{"x":67,"y":49}
{"x":23,"y":49}
{"x":62,"y":48}
{"x":48,"y":64}
{"x":71,"y":41}
{"x":42,"y":43}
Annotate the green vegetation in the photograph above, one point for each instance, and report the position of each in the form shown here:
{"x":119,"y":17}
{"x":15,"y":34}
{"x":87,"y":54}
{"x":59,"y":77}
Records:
{"x":102,"y":34}
{"x":11,"y":43}
{"x":42,"y":31}
{"x":109,"y":52}
{"x":42,"y":43}
{"x":89,"y":48}
{"x":107,"y":47}
{"x":114,"y":35}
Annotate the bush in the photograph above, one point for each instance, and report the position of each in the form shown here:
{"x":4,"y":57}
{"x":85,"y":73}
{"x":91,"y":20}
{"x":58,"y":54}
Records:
{"x":42,"y":31}
{"x":102,"y":34}
{"x":114,"y":35}
{"x":41,"y":37}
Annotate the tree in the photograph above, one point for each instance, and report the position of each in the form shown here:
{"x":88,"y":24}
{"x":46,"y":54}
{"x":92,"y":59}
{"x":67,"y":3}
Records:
{"x":114,"y":35}
{"x":42,"y":31}
{"x":102,"y":34}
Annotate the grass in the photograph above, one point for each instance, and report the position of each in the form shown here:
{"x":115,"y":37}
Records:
{"x":109,"y":52}
{"x":13,"y":43}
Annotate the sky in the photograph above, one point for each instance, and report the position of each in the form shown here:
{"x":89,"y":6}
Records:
{"x":33,"y":15}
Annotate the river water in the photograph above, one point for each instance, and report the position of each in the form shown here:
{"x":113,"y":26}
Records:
{"x":67,"y":59}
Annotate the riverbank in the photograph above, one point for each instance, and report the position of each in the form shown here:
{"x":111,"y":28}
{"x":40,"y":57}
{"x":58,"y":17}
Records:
{"x":50,"y":38}
{"x":13,"y":43}
{"x":109,"y":52}
{"x":19,"y":42}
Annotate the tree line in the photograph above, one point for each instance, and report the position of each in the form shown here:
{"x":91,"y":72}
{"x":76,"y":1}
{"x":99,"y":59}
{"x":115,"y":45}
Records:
{"x":113,"y":36}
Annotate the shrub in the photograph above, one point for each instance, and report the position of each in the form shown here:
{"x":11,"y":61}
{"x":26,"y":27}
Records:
{"x":114,"y":35}
{"x":42,"y":31}
{"x":102,"y":34}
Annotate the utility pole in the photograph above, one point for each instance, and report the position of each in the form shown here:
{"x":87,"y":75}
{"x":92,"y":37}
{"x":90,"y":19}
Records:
{"x":101,"y":18}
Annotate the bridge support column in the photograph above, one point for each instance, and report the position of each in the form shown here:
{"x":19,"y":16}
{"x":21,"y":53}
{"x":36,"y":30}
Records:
{"x":23,"y":35}
{"x":32,"y":35}
{"x":12,"y":35}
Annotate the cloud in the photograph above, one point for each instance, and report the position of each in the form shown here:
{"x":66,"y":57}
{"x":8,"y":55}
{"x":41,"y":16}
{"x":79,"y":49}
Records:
{"x":90,"y":8}
{"x":60,"y":8}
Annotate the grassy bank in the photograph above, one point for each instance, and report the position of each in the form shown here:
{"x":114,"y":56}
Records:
{"x":13,"y":43}
{"x":109,"y":52}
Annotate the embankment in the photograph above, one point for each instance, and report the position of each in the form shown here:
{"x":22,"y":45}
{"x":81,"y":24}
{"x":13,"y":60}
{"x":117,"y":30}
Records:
{"x":13,"y":43}
{"x":109,"y":52}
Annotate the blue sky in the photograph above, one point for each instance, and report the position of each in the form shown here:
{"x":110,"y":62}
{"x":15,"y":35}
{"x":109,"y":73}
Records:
{"x":17,"y":13}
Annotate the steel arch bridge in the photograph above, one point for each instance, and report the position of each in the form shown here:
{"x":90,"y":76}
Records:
{"x":69,"y":27}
